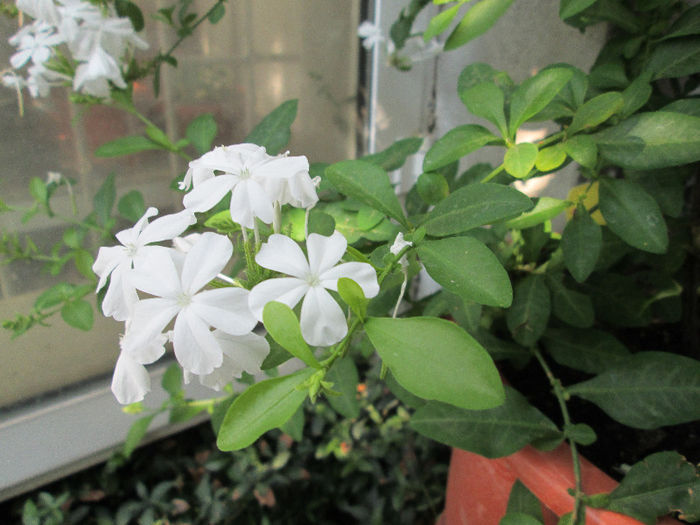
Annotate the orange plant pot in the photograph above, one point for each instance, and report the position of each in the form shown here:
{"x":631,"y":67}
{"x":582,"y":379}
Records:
{"x":478,"y":487}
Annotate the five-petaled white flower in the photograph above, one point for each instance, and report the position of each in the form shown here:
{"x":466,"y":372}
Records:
{"x":322,"y":320}
{"x":254,"y":178}
{"x":117,"y":261}
{"x":176,"y":280}
{"x":130,"y":381}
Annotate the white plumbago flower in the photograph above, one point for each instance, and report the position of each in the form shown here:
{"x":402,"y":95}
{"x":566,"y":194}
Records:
{"x":241,"y":353}
{"x":13,"y":80}
{"x":298,"y":190}
{"x":130,"y":381}
{"x":248,"y":172}
{"x":322,"y":320}
{"x":92,"y":77}
{"x":34,"y":42}
{"x":113,"y":34}
{"x":42,"y":10}
{"x":184,"y":244}
{"x":117,"y":261}
{"x":415,"y":50}
{"x":370,"y":34}
{"x":176,"y":285}
{"x":400,"y":244}
{"x":40,"y":80}
{"x":73,"y":13}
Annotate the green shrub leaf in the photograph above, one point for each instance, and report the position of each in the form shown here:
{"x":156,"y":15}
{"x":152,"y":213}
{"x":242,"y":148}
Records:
{"x":201,"y":132}
{"x":274,"y":130}
{"x":132,"y":206}
{"x":125,"y":146}
{"x":592,"y":351}
{"x":78,"y":314}
{"x":477,"y":21}
{"x":457,"y":143}
{"x":418,"y":348}
{"x":520,"y":159}
{"x":262,"y":407}
{"x":570,"y":306}
{"x":345,"y":378}
{"x":486,"y":100}
{"x":528,"y":315}
{"x":492,"y":433}
{"x":533,"y":95}
{"x":546,"y":208}
{"x":648,"y":390}
{"x":596,"y":111}
{"x":569,"y":8}
{"x":465,"y":266}
{"x":395,"y":155}
{"x":581,"y":242}
{"x":283,"y":326}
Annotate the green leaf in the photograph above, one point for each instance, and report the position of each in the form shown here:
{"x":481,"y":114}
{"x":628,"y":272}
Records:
{"x":345,"y":378}
{"x":132,"y":12}
{"x":367,"y":183}
{"x":324,"y":224}
{"x":580,"y":433}
{"x":675,"y":58}
{"x":78,"y":314}
{"x":618,"y":299}
{"x":479,"y":72}
{"x":217,"y":13}
{"x":523,"y":501}
{"x":687,"y":23}
{"x":476,"y":22}
{"x":283,"y":326}
{"x":294,"y":426}
{"x":475,"y":205}
{"x":581,"y":242}
{"x":583,"y":150}
{"x":528,"y":316}
{"x":518,"y":518}
{"x":486,"y":100}
{"x":648,"y":390}
{"x":652,"y":140}
{"x":492,"y":433}
{"x":457,"y":143}
{"x":432,"y":187}
{"x":533,"y":95}
{"x":103,"y":201}
{"x":136,"y":433}
{"x":262,"y":407}
{"x":202,"y":131}
{"x":635,"y":95}
{"x":440,"y":22}
{"x":633,"y":215}
{"x":596,"y":111}
{"x":125,"y":146}
{"x":276,"y":357}
{"x":395,"y":155}
{"x":550,"y":158}
{"x":520,"y":159}
{"x":274,"y":130}
{"x":465,"y":266}
{"x":574,"y":308}
{"x":172,"y":380}
{"x":546,"y":208}
{"x":569,"y":8}
{"x":222,"y":222}
{"x":354,"y":297}
{"x":132,"y":206}
{"x":467,"y":375}
{"x":84,"y":260}
{"x":659,"y":484}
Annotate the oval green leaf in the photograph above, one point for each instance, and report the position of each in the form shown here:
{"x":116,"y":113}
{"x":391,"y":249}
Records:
{"x":457,"y":143}
{"x":528,"y":316}
{"x":533,"y":95}
{"x":545,"y":209}
{"x":520,"y":159}
{"x":581,"y":242}
{"x":437,"y":360}
{"x":283,"y":327}
{"x":477,"y":21}
{"x":596,"y":111}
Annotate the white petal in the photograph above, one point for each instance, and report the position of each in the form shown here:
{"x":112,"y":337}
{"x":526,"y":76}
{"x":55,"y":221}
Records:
{"x":362,"y":273}
{"x":108,"y":257}
{"x":246,"y":352}
{"x":205,"y":260}
{"x":282,"y":254}
{"x":167,"y":227}
{"x":196,"y":348}
{"x":325,"y":252}
{"x":225,"y":309}
{"x":155,"y":272}
{"x":208,"y":193}
{"x":287,"y":290}
{"x":322,"y":320}
{"x":130,"y":382}
{"x":131,"y":235}
{"x":149,"y":319}
{"x":260,"y":201}
{"x":121,"y":296}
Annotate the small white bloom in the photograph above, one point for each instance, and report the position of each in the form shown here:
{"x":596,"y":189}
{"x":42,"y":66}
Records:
{"x":117,"y":261}
{"x":176,"y":285}
{"x":130,"y":381}
{"x":53,"y":177}
{"x":370,"y":34}
{"x":93,"y":77}
{"x":42,"y":10}
{"x":322,"y":320}
{"x":248,"y":172}
{"x":400,"y":244}
{"x":241,"y":353}
{"x":184,"y":244}
{"x":34,"y":42}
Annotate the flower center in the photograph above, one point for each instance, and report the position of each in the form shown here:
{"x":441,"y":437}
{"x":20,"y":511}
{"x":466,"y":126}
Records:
{"x":245,"y":173}
{"x":184,"y":300}
{"x":131,"y":249}
{"x":313,"y":280}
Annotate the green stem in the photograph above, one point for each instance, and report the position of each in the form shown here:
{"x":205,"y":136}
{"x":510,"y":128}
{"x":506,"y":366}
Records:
{"x":491,"y":175}
{"x":194,"y":26}
{"x":560,"y":393}
{"x":552,"y":138}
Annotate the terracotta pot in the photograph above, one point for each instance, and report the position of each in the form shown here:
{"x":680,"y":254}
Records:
{"x":478,"y":487}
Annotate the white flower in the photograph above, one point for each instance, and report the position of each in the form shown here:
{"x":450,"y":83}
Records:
{"x":322,"y":320}
{"x":299,"y":190}
{"x":34,"y":42}
{"x":240,"y":353}
{"x":184,"y":244}
{"x":43,"y":10}
{"x":370,"y":34}
{"x":72,"y":13}
{"x":92,"y":77}
{"x":400,"y":244}
{"x":248,"y":172}
{"x":130,"y":381}
{"x":176,"y":283}
{"x":117,"y":261}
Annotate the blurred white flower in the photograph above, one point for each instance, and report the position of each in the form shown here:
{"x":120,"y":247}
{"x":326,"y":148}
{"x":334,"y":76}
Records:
{"x":93,"y":77}
{"x":370,"y":34}
{"x":42,"y":10}
{"x":176,"y":283}
{"x":400,"y":244}
{"x":34,"y":42}
{"x":117,"y":261}
{"x":322,"y":320}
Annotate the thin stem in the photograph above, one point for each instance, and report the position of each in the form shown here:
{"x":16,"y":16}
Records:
{"x":256,"y":233}
{"x":552,"y":138}
{"x":277,"y":217}
{"x":495,"y":172}
{"x":194,"y":26}
{"x":401,"y":293}
{"x":561,"y":396}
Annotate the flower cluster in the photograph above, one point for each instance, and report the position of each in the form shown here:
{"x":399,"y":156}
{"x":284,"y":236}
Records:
{"x":96,"y":38}
{"x":212,"y":328}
